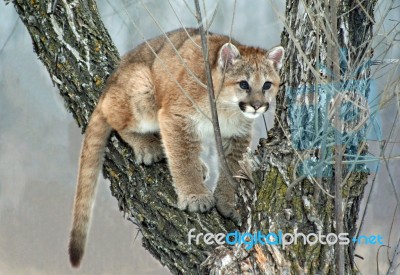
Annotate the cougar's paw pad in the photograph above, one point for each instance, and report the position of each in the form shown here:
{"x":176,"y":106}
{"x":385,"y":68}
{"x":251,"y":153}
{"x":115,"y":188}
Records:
{"x":197,"y":202}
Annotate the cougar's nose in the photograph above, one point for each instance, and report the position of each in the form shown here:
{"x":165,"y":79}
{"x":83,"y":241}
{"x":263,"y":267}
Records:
{"x":256,"y":105}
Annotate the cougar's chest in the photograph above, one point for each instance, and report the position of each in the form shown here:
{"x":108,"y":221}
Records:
{"x":231,"y":125}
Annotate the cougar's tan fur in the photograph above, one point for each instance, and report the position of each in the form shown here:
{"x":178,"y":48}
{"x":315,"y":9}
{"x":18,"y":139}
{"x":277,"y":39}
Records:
{"x":143,"y":101}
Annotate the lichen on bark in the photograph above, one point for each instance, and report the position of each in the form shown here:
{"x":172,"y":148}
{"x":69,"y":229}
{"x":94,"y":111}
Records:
{"x":79,"y":55}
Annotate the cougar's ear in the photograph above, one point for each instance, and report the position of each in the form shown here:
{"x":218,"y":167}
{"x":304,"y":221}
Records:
{"x":228,"y":54}
{"x":276,"y":55}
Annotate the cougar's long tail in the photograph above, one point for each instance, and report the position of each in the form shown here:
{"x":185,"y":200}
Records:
{"x":91,"y":161}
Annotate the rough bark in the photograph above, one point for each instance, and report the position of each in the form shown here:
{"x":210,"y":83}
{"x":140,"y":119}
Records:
{"x":78,"y":53}
{"x":303,"y":128}
{"x":73,"y":44}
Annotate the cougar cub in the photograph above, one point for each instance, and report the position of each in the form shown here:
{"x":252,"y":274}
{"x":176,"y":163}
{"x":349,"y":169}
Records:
{"x":157,"y":103}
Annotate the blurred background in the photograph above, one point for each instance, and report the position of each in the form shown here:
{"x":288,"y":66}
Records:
{"x":40,"y":143}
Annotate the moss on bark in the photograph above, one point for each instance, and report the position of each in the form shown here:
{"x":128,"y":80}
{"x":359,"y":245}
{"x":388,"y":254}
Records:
{"x":79,"y":55}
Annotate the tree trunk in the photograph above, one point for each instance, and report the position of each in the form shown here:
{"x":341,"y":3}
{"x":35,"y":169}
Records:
{"x":71,"y":41}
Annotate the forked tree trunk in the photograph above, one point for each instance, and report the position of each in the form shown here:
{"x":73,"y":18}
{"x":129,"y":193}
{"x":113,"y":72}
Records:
{"x":73,"y":44}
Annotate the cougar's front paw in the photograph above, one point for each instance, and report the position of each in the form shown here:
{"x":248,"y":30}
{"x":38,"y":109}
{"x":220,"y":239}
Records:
{"x":228,"y":211}
{"x":225,"y":204}
{"x":197,"y":202}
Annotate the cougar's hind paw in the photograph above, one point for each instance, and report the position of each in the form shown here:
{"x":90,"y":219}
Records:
{"x":149,"y":154}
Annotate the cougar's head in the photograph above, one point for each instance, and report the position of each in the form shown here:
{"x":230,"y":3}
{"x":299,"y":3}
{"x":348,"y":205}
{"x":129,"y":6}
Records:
{"x":250,"y":77}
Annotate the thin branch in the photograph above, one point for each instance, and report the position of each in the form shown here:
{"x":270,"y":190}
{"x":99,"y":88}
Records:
{"x":382,"y":152}
{"x":298,"y":180}
{"x":205,"y":17}
{"x":9,"y":36}
{"x":173,"y":47}
{"x":296,"y":43}
{"x":214,"y":114}
{"x":182,"y":25}
{"x":185,"y":93}
{"x":214,"y":14}
{"x":335,"y":78}
{"x":377,"y":257}
{"x":365,"y":11}
{"x":189,"y":8}
{"x":233,"y":20}
{"x":391,"y":261}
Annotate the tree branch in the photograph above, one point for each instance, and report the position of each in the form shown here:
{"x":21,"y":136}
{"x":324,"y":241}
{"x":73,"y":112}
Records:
{"x":73,"y":44}
{"x":145,"y":194}
{"x":211,"y":96}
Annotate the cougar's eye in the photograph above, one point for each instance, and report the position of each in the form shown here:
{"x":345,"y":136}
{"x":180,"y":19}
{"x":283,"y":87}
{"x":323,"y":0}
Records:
{"x":244,"y":85}
{"x":267,"y":85}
